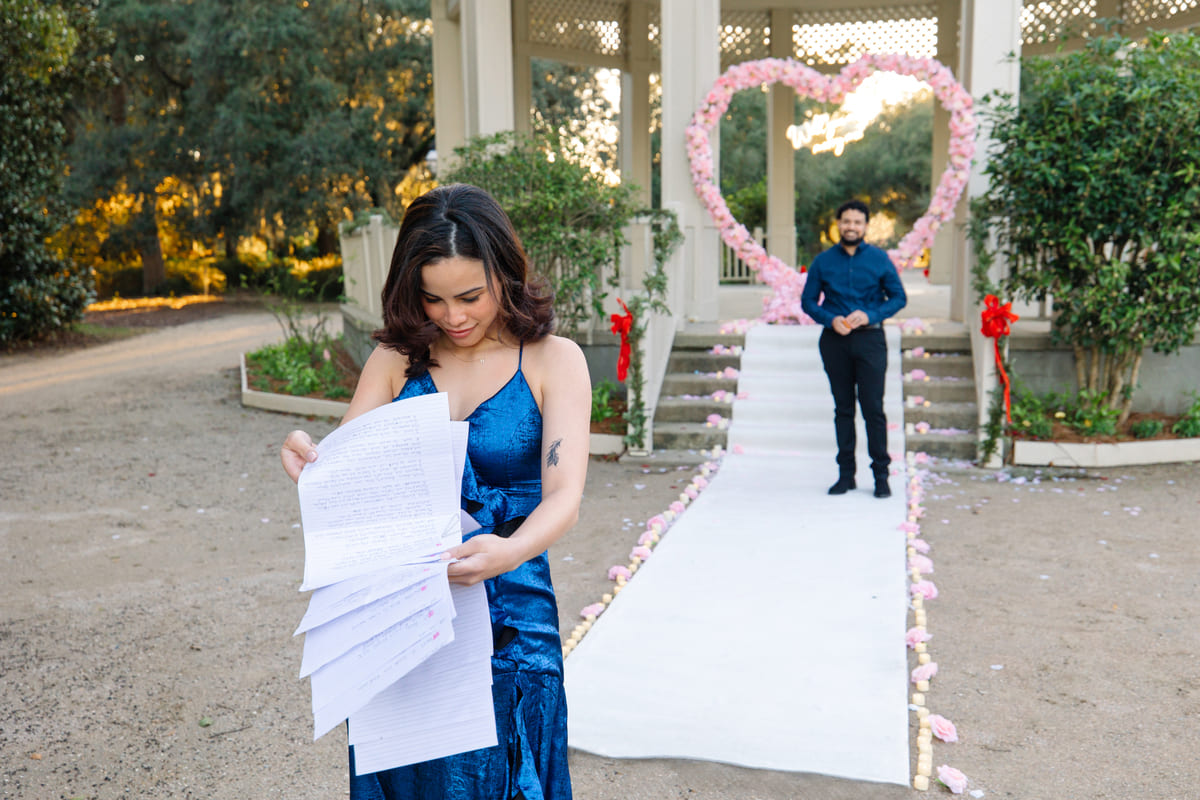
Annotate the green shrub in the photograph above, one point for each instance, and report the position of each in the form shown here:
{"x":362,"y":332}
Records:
{"x":1188,"y":425}
{"x":303,"y":371}
{"x":570,"y":221}
{"x":1092,"y":415}
{"x":602,"y":395}
{"x":1092,"y":198}
{"x":1146,"y":428}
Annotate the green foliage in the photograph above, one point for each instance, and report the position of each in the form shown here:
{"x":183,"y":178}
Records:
{"x":1091,"y":415}
{"x":1189,"y":424}
{"x":570,"y":221}
{"x":303,"y":370}
{"x":1146,"y":428}
{"x":993,"y":429}
{"x":254,"y":118}
{"x":1031,"y":413}
{"x":1094,"y":186}
{"x":602,"y":395}
{"x":42,"y":71}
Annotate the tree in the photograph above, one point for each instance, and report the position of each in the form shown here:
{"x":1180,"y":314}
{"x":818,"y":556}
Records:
{"x":570,"y":221}
{"x":1094,"y":186}
{"x":256,"y":118}
{"x":40,"y":69}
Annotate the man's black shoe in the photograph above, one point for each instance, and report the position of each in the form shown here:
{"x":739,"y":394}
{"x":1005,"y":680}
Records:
{"x":842,"y":486}
{"x":881,"y":488}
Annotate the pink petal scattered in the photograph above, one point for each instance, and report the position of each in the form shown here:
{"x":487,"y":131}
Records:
{"x":915,"y":635}
{"x":594,"y":610}
{"x":924,"y":672}
{"x":943,"y":728}
{"x":619,"y":571}
{"x":954,"y":780}
{"x":920,"y":563}
{"x":925,"y":589}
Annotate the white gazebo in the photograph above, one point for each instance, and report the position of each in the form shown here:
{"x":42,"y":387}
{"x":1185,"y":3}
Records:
{"x":483,"y":50}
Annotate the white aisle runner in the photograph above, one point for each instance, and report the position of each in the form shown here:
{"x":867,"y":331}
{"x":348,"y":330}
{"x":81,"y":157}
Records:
{"x":767,"y":629}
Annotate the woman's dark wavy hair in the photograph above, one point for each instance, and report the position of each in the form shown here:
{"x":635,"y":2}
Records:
{"x":458,"y":220}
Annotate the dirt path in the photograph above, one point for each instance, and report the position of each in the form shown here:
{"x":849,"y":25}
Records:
{"x":152,"y":553}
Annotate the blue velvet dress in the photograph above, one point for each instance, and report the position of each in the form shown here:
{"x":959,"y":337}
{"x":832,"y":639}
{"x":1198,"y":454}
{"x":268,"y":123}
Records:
{"x":501,"y":485}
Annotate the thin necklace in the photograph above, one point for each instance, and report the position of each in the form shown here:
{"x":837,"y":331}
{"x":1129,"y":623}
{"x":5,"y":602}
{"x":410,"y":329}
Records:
{"x":471,"y":360}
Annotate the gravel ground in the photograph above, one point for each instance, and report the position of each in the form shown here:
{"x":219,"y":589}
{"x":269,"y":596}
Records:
{"x":152,"y":555}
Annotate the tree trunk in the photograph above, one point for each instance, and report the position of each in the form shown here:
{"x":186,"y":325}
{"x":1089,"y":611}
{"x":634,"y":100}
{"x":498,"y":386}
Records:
{"x":1080,"y":367}
{"x":327,"y":239}
{"x":1127,"y":406}
{"x":154,"y":268}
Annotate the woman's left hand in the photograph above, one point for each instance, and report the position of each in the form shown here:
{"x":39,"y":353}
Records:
{"x":481,"y":557}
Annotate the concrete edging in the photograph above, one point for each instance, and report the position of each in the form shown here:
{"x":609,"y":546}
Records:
{"x":1119,"y":454}
{"x":288,"y":404}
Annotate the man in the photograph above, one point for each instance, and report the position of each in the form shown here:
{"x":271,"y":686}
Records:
{"x":861,"y":289}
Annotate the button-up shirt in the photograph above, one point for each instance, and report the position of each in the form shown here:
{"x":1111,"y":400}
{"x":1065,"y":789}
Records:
{"x":866,"y":280}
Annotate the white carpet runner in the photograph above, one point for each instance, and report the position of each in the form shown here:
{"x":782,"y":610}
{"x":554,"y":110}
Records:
{"x":767,"y":628}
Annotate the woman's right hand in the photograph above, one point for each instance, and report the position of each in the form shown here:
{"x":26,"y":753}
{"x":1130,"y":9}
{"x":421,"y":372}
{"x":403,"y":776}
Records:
{"x":298,"y":450}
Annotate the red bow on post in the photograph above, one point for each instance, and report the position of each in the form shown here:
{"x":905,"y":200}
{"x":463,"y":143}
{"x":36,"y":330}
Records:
{"x":622,"y":324}
{"x":996,"y":321}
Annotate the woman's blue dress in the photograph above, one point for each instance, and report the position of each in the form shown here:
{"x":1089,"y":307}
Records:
{"x":501,"y":485}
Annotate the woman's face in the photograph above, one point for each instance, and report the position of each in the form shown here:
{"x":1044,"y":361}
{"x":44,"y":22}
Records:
{"x":455,"y":296}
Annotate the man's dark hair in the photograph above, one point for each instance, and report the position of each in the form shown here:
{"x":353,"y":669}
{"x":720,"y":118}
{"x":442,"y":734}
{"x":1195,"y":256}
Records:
{"x":853,"y":205}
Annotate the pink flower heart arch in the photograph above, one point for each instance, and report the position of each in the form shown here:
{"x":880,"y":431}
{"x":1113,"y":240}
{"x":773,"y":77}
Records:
{"x":785,"y":281}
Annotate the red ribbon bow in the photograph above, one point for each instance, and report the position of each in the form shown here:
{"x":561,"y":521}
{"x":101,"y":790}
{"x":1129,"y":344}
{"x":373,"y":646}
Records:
{"x":622,"y":324}
{"x":996,"y":323}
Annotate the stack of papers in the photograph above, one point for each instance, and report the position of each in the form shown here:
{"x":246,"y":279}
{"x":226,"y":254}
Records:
{"x":389,"y":644}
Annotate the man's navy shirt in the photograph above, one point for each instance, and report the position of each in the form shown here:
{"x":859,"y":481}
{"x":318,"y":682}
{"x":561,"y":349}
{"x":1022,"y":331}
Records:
{"x":866,"y":280}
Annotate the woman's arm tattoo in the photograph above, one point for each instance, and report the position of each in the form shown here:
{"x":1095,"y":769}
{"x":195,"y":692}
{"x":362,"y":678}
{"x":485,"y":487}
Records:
{"x":552,"y":456}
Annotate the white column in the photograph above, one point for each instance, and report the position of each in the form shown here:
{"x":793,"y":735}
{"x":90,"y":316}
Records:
{"x":522,"y":62}
{"x":991,"y":35}
{"x":634,"y":153}
{"x":690,"y":65}
{"x":942,"y":254}
{"x":781,"y":157}
{"x":449,"y":100}
{"x":487,"y":57}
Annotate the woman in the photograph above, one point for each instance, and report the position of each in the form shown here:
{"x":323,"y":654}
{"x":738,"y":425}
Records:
{"x":461,"y":317}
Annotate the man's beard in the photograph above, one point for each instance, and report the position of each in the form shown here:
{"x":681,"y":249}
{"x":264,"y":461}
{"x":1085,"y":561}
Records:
{"x":857,"y":240}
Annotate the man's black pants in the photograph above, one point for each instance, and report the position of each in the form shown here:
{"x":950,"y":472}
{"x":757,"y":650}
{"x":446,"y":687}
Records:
{"x":856,"y":364}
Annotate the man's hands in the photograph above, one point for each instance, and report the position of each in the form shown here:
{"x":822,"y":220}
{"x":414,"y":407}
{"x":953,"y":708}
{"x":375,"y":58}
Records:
{"x":855,"y":319}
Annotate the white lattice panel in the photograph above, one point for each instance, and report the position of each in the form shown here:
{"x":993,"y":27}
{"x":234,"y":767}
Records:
{"x":745,"y":36}
{"x":1143,"y":12}
{"x":589,"y":26}
{"x":840,"y":37}
{"x":1048,"y":20}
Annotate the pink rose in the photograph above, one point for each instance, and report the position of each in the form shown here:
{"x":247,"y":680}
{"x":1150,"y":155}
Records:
{"x":914,"y":635}
{"x":646,"y":539}
{"x":713,"y":419}
{"x":691,"y":492}
{"x":917,"y":352}
{"x":594,"y":610}
{"x":676,"y":507}
{"x":920,"y":427}
{"x":658,"y":520}
{"x":641,"y":552}
{"x":920,"y":563}
{"x":924,"y":672}
{"x":955,"y":781}
{"x":943,"y":728}
{"x":700,"y":481}
{"x":619,"y":571}
{"x":910,"y":527}
{"x":920,"y":545}
{"x":729,"y":372}
{"x":925,"y":589}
